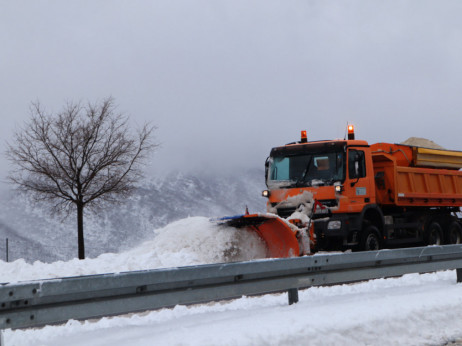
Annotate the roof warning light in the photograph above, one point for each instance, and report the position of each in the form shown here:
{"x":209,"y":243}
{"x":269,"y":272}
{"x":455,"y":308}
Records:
{"x":351,"y":132}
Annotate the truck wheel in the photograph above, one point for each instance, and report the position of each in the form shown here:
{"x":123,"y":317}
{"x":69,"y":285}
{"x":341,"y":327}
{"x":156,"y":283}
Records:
{"x":434,"y":234}
{"x":454,"y":233}
{"x":370,"y":240}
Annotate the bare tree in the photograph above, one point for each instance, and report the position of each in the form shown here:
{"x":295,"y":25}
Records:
{"x":79,"y":157}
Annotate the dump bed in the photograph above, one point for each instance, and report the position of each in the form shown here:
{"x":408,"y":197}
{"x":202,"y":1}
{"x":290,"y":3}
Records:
{"x":415,"y":176}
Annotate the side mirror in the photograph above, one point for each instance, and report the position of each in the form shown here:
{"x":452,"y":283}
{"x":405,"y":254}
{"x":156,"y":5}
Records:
{"x":356,"y":166}
{"x":266,"y":168}
{"x":356,"y":175}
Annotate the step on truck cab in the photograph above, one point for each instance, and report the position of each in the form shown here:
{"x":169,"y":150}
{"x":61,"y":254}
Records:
{"x":371,"y":196}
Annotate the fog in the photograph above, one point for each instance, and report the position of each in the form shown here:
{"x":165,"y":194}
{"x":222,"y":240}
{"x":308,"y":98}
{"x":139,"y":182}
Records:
{"x":225,"y":81}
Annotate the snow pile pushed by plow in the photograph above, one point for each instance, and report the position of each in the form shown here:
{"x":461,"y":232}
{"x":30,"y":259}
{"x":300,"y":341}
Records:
{"x":196,"y":240}
{"x":190,"y":241}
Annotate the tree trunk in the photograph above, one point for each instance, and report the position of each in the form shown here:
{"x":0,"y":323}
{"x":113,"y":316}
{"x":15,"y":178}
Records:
{"x":80,"y":231}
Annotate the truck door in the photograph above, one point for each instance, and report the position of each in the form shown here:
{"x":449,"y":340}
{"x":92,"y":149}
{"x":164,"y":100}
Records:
{"x":358,"y":184}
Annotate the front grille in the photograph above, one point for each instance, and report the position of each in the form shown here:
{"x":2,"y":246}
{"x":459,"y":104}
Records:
{"x":329,"y":202}
{"x":286,"y":212}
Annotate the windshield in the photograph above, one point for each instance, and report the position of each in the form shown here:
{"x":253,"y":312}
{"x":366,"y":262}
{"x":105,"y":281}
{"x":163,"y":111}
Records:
{"x":305,"y":169}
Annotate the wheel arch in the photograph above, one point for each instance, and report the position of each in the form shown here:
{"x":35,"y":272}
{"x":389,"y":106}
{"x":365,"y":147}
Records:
{"x":372,"y":214}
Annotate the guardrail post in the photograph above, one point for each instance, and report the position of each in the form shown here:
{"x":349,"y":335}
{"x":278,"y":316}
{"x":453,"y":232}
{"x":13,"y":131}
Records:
{"x":293,"y":295}
{"x":459,"y":275}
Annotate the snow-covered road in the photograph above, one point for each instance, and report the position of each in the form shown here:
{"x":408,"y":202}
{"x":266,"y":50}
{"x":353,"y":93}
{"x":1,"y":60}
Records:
{"x":412,"y":310}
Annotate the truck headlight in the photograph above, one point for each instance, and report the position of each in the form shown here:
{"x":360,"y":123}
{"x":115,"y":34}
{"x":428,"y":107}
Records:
{"x":265,"y":193}
{"x":334,"y":224}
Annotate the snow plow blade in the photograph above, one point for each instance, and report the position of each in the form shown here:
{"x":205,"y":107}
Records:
{"x":280,"y":239}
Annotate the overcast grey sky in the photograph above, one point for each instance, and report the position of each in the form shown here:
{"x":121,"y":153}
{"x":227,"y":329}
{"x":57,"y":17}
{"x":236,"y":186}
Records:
{"x":226,"y":80}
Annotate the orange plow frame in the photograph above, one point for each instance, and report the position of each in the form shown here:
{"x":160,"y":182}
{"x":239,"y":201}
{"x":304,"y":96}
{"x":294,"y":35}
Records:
{"x":280,"y":239}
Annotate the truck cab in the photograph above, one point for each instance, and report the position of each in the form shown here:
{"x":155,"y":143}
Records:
{"x":338,"y":174}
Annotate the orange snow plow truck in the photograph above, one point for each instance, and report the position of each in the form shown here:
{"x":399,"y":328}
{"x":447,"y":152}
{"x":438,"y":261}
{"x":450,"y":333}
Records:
{"x":347,"y":194}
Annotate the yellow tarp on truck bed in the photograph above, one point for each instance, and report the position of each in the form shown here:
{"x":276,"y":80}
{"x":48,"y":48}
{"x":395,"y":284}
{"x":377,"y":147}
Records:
{"x":424,"y":157}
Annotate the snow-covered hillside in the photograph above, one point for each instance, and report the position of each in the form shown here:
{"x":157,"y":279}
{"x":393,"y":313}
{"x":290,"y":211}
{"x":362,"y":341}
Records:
{"x":35,"y":235}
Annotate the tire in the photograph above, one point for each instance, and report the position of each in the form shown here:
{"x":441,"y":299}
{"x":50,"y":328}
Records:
{"x":454,"y":235}
{"x":371,"y":239}
{"x":434,"y":234}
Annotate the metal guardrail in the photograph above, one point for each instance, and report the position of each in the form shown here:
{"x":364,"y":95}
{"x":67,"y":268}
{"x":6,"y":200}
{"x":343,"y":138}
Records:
{"x":36,"y":303}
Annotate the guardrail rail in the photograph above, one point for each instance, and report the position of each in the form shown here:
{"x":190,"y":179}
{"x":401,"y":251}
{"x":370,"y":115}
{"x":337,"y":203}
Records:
{"x":37,"y":303}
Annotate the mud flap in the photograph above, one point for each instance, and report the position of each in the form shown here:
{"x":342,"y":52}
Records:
{"x":280,"y":239}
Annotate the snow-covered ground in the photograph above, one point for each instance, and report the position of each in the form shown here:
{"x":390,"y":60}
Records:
{"x":411,"y":310}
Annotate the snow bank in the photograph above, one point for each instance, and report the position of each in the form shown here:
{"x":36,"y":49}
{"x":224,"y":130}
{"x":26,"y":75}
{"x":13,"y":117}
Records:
{"x":412,"y":310}
{"x":190,"y":241}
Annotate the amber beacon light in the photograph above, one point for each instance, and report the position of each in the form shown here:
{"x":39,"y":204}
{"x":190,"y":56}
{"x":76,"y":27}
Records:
{"x":351,"y":132}
{"x":304,"y":137}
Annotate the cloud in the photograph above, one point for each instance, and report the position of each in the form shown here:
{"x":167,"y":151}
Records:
{"x":227,"y":80}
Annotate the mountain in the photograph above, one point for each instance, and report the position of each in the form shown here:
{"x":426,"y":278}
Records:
{"x":34,"y":234}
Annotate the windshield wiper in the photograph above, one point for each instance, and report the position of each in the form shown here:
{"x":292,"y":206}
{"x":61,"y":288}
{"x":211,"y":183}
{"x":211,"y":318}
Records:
{"x":305,"y":172}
